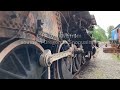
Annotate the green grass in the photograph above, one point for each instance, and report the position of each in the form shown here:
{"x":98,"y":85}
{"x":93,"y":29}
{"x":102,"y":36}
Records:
{"x":115,"y":57}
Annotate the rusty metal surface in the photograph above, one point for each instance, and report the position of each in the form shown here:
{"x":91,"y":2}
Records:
{"x":11,"y":22}
{"x":111,"y":50}
{"x":84,"y":14}
{"x":50,"y":22}
{"x":13,"y":16}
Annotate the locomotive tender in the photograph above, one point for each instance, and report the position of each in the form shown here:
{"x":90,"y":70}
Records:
{"x":44,"y":44}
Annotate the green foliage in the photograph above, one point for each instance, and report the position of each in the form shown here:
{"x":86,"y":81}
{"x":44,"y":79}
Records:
{"x":115,"y":57}
{"x":110,"y":28}
{"x":99,"y":34}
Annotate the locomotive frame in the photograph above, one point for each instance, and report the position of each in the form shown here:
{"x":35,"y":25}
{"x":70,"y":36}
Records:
{"x":31,"y":45}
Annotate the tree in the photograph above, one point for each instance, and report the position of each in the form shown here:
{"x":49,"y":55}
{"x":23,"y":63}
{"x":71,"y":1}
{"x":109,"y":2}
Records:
{"x":99,"y":34}
{"x":109,"y":29}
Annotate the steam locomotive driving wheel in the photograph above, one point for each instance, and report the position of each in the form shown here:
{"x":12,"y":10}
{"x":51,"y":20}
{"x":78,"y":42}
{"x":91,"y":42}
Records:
{"x":64,"y":65}
{"x":20,"y":60}
{"x":77,"y":61}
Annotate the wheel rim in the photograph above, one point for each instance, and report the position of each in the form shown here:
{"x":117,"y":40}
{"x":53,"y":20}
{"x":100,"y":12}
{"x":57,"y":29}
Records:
{"x":77,"y":63}
{"x":64,"y":65}
{"x":89,"y":56}
{"x":22,"y":62}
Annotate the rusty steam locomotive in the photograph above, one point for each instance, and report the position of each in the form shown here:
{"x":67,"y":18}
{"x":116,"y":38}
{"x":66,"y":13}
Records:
{"x":44,"y":44}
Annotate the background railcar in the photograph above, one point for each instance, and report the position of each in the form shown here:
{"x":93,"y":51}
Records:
{"x":114,"y":41}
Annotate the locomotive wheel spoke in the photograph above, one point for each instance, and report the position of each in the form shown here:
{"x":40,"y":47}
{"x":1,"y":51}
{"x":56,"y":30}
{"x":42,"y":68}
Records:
{"x":13,"y":63}
{"x":43,"y":72}
{"x":28,"y":55}
{"x":19,"y":62}
{"x":76,"y":63}
{"x":9,"y":74}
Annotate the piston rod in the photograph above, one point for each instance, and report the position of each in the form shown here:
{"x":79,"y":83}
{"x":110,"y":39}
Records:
{"x":46,"y":59}
{"x":60,"y":55}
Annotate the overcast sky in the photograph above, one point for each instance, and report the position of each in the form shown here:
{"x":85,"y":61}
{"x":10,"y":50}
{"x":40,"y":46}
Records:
{"x":107,"y":18}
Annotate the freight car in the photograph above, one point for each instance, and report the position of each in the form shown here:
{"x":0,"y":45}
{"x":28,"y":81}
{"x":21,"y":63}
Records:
{"x":44,"y":44}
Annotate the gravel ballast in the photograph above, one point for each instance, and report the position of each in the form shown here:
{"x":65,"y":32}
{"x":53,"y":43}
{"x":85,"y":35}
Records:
{"x":104,"y":66}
